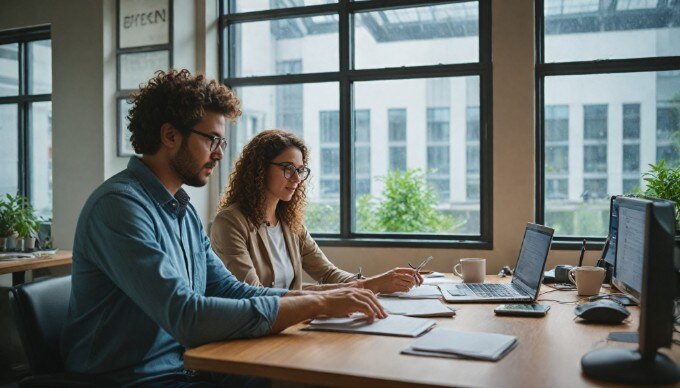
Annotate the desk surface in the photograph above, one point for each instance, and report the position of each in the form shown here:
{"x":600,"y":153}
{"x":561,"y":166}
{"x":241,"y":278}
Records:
{"x":60,"y":258}
{"x":548,"y":352}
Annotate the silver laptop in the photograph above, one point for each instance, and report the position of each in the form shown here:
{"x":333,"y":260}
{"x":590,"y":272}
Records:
{"x":527,"y":278}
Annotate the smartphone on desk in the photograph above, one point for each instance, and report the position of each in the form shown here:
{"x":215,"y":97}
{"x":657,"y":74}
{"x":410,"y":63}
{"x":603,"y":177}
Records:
{"x":522,"y":310}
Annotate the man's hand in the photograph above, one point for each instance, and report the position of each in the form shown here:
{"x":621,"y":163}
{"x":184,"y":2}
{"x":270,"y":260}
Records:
{"x":345,"y":301}
{"x":395,"y":280}
{"x":298,"y":306}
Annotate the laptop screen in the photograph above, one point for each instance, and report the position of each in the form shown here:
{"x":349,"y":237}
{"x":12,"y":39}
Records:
{"x":532,"y":257}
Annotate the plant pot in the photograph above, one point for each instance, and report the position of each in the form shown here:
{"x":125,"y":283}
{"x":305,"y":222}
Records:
{"x":19,"y":247}
{"x":11,"y":243}
{"x":29,"y":243}
{"x":3,"y":244}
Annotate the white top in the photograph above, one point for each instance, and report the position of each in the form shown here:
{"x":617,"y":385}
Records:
{"x":283,"y":267}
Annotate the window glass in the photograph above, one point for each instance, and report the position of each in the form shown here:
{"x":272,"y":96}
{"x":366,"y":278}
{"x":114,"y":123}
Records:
{"x":9,"y":69}
{"x":438,"y":173}
{"x":427,"y":35}
{"x":586,"y":30}
{"x":612,"y":126}
{"x":41,"y":158}
{"x":311,"y":112}
{"x":137,"y":68}
{"x":631,"y":121}
{"x":9,"y":157}
{"x":40,"y":67}
{"x":396,"y":122}
{"x":310,"y":43}
{"x":260,"y":5}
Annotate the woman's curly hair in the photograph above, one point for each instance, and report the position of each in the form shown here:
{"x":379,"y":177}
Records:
{"x":178,"y":98}
{"x":247,"y":184}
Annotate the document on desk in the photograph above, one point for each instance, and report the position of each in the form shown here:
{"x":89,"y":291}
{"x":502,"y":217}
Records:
{"x":396,"y":325}
{"x":416,"y":307}
{"x":438,"y":281}
{"x":433,"y":275}
{"x":421,"y":292}
{"x":449,"y":343}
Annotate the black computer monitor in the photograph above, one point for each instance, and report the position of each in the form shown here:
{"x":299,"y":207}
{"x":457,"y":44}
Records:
{"x":609,"y":253}
{"x":644,"y":267}
{"x":631,"y":245}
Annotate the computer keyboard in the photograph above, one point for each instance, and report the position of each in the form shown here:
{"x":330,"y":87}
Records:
{"x":492,"y":290}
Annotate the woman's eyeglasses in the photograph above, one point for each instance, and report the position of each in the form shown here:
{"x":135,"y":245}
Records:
{"x":215,"y":141}
{"x":289,"y":169}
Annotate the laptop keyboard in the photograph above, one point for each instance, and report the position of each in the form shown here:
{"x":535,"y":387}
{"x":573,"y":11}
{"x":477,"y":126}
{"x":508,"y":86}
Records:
{"x":491,"y":290}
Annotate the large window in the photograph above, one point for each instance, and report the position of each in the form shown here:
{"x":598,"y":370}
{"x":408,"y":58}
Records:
{"x":608,"y":95}
{"x":391,"y":101}
{"x":26,"y":117}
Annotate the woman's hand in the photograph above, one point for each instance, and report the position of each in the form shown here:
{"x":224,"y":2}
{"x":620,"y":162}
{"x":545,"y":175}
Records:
{"x":395,"y":280}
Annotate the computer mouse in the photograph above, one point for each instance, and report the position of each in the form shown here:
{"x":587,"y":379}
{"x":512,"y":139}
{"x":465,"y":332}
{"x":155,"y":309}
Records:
{"x":602,"y":311}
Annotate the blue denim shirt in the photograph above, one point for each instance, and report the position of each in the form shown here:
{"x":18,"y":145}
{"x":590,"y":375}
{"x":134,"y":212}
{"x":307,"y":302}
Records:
{"x":146,"y":284}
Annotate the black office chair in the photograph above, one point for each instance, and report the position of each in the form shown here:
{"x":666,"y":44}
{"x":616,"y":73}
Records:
{"x":39,"y":310}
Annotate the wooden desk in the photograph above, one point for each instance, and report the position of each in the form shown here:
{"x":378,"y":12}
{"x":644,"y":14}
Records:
{"x":548,"y":353}
{"x":19,"y":267}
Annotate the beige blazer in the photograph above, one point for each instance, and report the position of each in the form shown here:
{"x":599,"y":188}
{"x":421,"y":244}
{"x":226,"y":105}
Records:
{"x":246,"y":252}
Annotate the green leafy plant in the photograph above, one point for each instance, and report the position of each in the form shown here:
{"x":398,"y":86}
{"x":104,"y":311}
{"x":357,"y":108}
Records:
{"x":21,"y":216}
{"x":408,"y":205}
{"x":9,"y":207}
{"x":664,"y":182}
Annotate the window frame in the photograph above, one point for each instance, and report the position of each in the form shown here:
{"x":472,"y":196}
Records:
{"x":588,"y":67}
{"x":123,"y":95}
{"x":24,"y":100}
{"x":345,"y":76}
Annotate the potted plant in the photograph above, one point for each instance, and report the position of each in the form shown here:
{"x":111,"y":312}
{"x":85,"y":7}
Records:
{"x":664,"y":182}
{"x":9,"y":208}
{"x":6,"y":223}
{"x":26,"y":225}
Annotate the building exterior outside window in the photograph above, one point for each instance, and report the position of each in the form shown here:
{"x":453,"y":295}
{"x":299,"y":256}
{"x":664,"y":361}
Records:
{"x":288,"y":72}
{"x":609,"y":101}
{"x":26,"y":117}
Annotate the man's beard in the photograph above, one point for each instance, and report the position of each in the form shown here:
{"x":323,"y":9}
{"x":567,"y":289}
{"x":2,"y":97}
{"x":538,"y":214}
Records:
{"x":185,"y":165}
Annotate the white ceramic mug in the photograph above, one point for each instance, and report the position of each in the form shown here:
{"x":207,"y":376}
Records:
{"x":471,"y":270}
{"x":588,"y":279}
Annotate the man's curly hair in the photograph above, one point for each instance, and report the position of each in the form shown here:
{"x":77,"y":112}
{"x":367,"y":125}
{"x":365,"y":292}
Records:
{"x":178,"y":98}
{"x":247,"y":184}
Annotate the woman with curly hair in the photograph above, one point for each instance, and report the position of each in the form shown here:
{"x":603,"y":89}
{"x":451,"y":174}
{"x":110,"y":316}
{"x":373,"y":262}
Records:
{"x":259,"y":232}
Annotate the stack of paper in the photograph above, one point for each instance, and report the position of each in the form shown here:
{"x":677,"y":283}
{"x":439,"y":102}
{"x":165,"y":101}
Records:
{"x":421,"y":292}
{"x":450,"y":343}
{"x":396,"y":325}
{"x":417,"y":308}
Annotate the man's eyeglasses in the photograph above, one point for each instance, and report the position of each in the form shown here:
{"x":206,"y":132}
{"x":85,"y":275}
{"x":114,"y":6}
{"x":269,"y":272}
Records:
{"x":215,"y":141}
{"x":289,"y":169}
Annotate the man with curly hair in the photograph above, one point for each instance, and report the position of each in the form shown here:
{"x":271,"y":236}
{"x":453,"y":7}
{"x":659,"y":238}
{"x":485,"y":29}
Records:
{"x":145,"y":282}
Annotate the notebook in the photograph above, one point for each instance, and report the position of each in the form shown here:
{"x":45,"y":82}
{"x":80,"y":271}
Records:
{"x":526,"y":280}
{"x":420,"y":292}
{"x":416,"y":307}
{"x":449,"y":343}
{"x":396,"y":325}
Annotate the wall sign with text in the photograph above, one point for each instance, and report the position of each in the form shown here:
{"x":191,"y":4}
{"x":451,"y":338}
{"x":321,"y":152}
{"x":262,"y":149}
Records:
{"x":143,"y":23}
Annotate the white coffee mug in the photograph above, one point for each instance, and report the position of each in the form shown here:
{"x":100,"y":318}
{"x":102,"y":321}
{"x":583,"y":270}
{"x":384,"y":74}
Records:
{"x":588,"y":279}
{"x":471,"y":270}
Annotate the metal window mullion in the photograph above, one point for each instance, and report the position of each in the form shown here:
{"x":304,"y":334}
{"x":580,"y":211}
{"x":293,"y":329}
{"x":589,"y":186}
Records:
{"x":540,"y":101}
{"x":486,"y":123}
{"x":22,"y":107}
{"x":345,"y":44}
{"x":625,"y":65}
